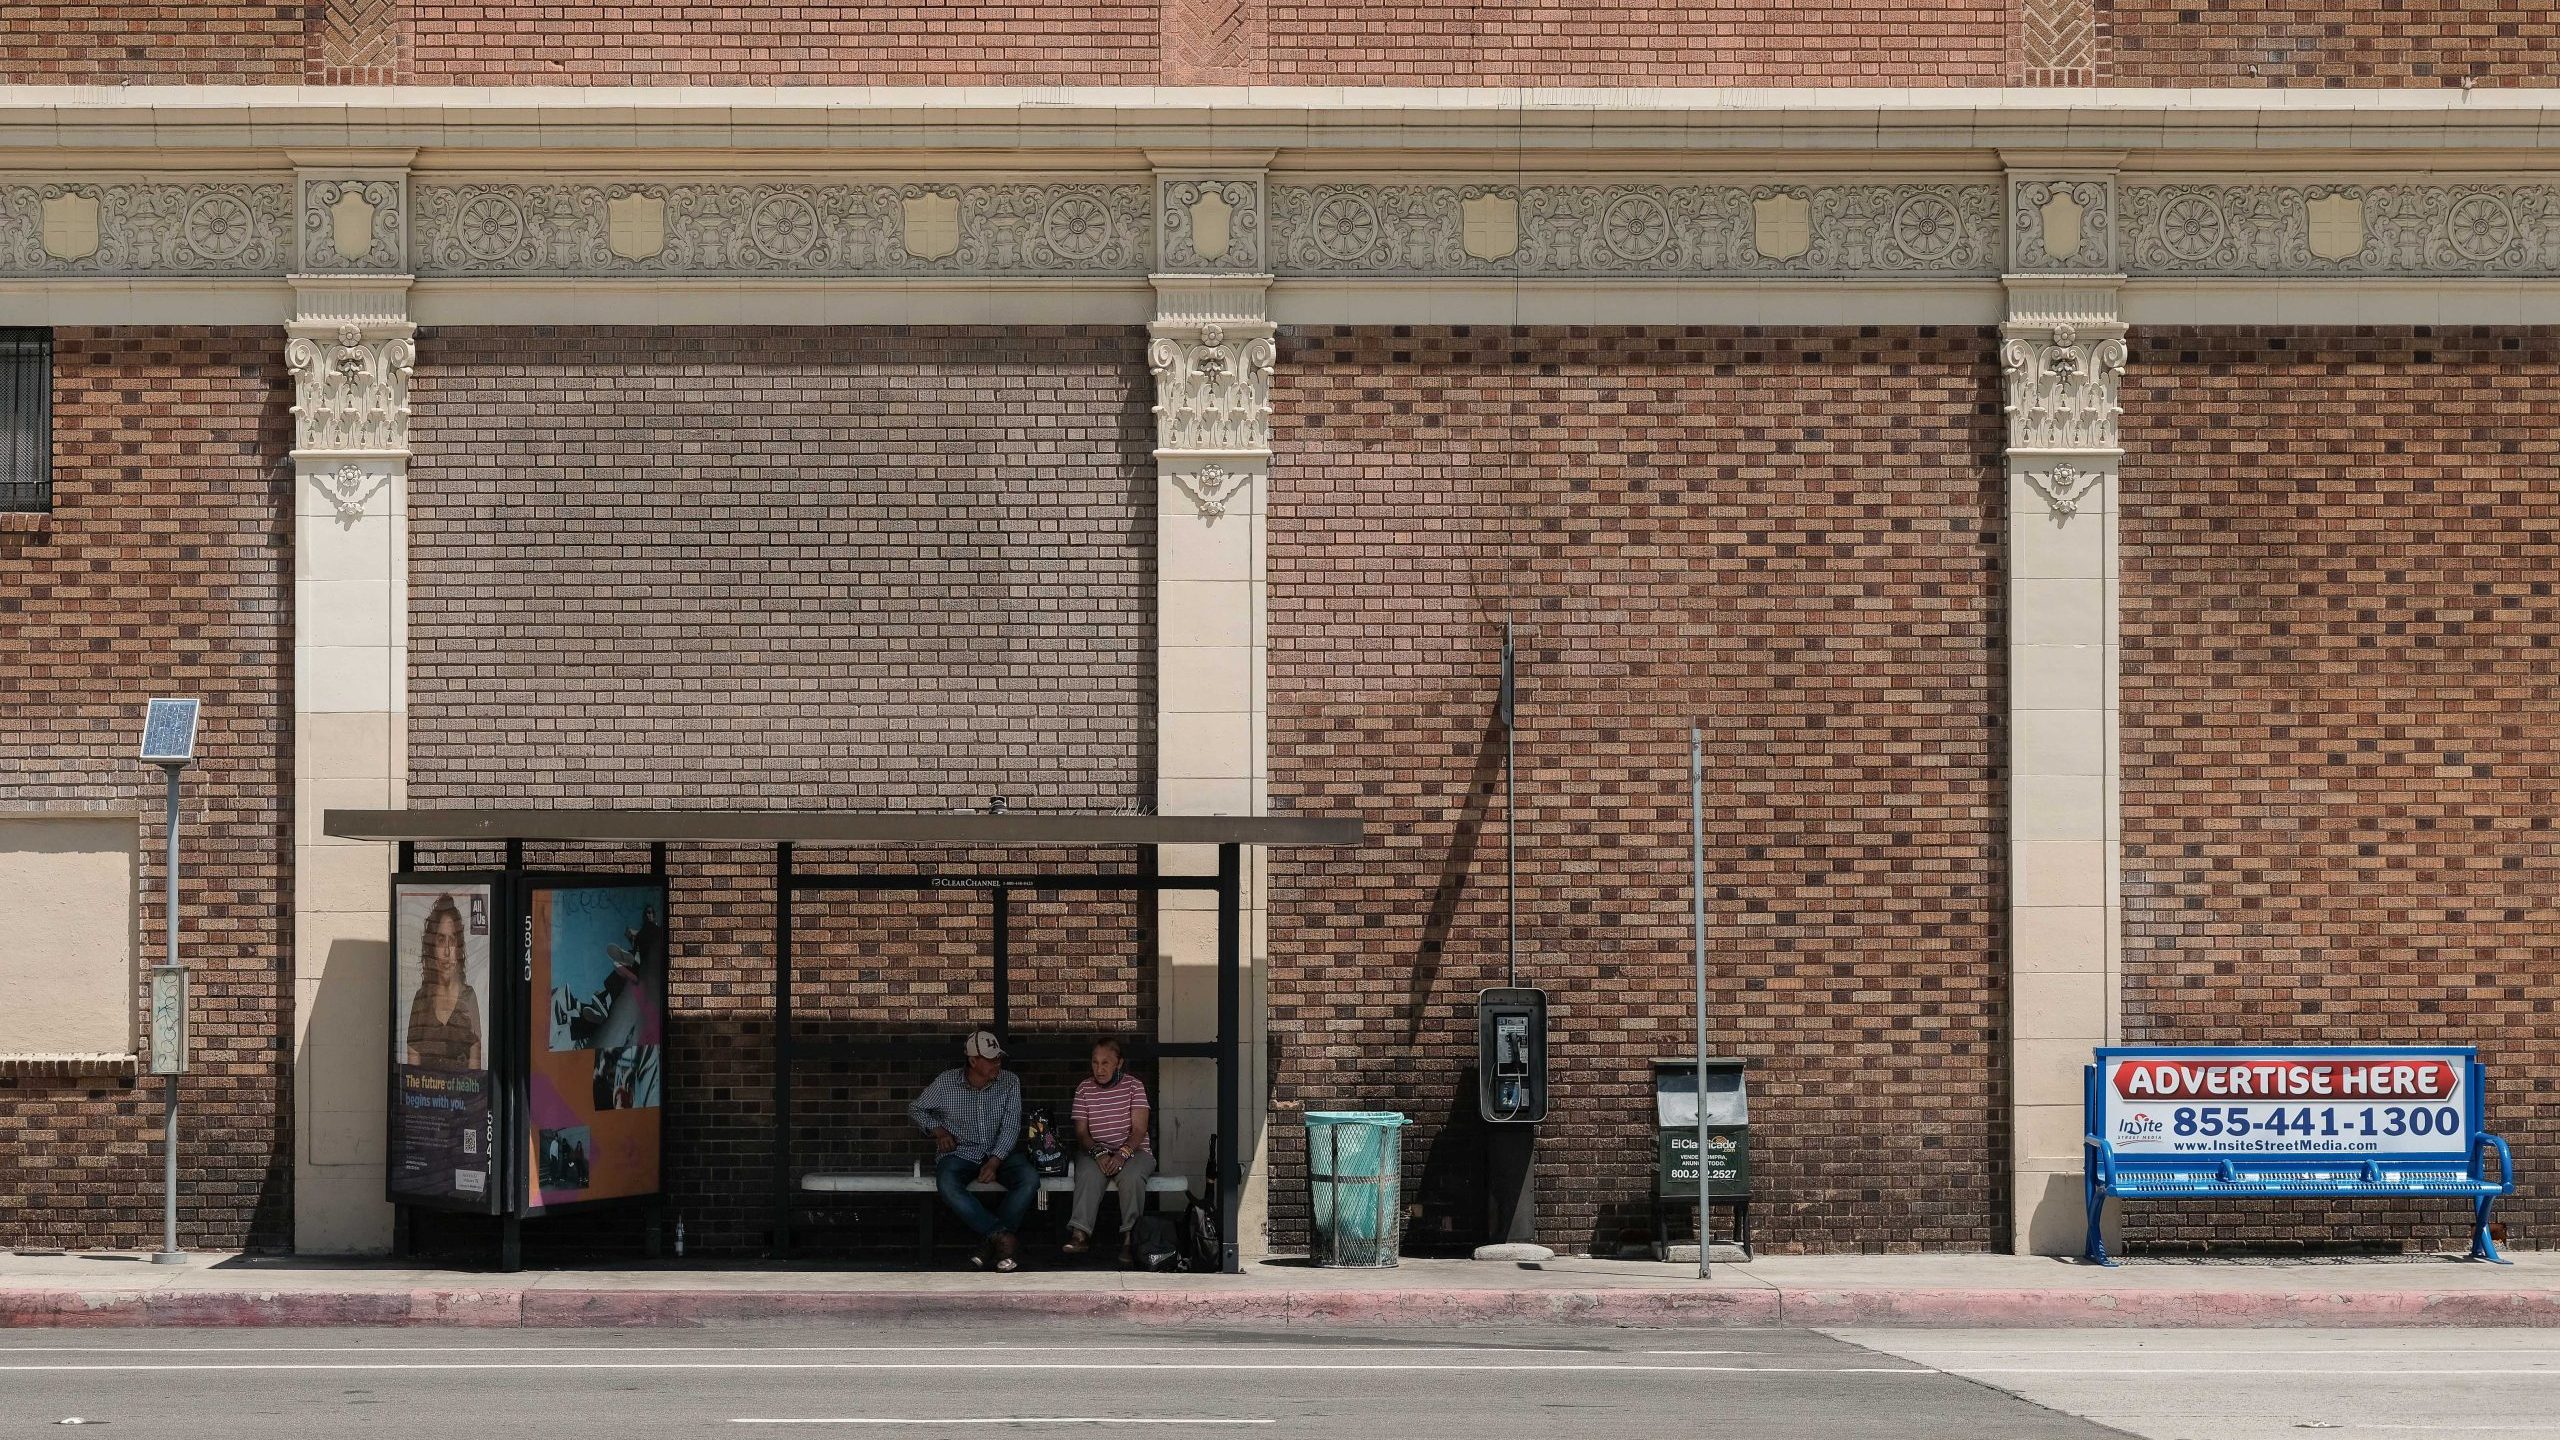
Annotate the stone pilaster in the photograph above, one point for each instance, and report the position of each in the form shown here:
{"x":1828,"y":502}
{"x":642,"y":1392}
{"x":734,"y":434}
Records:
{"x":2062,"y":357}
{"x":351,"y":349}
{"x":1212,"y":352}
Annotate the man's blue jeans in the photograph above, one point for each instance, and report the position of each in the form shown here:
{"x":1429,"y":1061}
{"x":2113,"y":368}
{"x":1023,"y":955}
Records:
{"x":1021,"y":1182}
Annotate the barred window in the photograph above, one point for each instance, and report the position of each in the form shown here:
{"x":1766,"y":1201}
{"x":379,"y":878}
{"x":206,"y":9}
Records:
{"x":26,"y":420}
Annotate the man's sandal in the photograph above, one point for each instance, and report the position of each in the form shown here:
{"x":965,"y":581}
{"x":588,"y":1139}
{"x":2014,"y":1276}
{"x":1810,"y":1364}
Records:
{"x":1077,"y":1243}
{"x":1005,"y":1263}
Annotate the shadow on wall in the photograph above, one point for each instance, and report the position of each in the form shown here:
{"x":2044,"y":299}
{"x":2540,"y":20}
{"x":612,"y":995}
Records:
{"x":1452,"y":885}
{"x":1449,"y":1211}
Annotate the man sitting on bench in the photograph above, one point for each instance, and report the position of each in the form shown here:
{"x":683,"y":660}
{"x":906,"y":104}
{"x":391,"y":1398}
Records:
{"x":973,"y":1111}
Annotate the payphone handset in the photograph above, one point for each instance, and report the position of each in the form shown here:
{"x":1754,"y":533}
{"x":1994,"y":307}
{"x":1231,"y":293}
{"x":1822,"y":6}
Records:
{"x":1511,"y":1056}
{"x":1511,"y":1062}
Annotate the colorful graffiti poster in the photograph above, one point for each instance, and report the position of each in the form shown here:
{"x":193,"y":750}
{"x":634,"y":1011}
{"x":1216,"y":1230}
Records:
{"x":443,"y":1133}
{"x":596,"y":1035}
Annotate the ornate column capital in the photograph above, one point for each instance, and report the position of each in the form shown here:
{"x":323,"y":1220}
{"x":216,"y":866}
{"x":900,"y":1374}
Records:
{"x":352,"y":350}
{"x":1213,"y":354}
{"x":2062,"y":358}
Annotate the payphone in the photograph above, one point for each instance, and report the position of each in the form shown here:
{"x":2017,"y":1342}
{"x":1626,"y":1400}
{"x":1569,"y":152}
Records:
{"x":1511,"y":1055}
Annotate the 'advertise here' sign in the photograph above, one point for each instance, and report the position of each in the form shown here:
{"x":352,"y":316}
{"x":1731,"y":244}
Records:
{"x":2369,"y":1104}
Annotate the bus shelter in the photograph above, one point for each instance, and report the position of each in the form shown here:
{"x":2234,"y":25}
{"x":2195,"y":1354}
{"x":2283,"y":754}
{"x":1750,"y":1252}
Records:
{"x":485,"y":1104}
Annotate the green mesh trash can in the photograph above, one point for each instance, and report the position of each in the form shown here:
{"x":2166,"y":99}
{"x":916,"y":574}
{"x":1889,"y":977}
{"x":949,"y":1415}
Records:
{"x":1355,"y":1167}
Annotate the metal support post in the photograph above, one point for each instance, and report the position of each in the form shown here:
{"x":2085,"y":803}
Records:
{"x":170,"y":1254}
{"x":1698,"y":941}
{"x":1230,"y":1052}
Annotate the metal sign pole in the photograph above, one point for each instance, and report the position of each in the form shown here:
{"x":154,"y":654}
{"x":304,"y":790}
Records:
{"x":170,"y":1254}
{"x":169,"y":741}
{"x":1698,"y":942}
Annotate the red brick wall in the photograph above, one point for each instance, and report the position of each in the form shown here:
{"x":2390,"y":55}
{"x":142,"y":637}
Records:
{"x":1788,"y":536}
{"x":818,"y":42}
{"x":1651,"y":42}
{"x":2346,"y":43}
{"x":1289,"y":42}
{"x":851,"y":569}
{"x":165,"y":570}
{"x":2339,"y":719}
{"x":228,"y":42}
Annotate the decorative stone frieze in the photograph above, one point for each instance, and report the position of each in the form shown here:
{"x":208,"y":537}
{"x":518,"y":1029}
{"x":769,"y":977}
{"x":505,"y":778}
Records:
{"x":647,"y":227}
{"x":1636,"y":229}
{"x":143,"y":227}
{"x":2062,"y":222}
{"x":1210,"y":224}
{"x":354,"y":221}
{"x":2481,"y":228}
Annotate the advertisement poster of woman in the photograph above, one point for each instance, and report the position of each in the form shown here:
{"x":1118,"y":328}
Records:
{"x":441,"y":1137}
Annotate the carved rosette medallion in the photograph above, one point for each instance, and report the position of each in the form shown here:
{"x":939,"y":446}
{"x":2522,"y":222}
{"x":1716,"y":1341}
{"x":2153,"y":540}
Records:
{"x":349,"y":489}
{"x":1211,"y":488}
{"x":2063,"y":487}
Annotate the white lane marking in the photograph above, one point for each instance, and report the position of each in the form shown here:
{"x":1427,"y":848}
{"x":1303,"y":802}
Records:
{"x":2397,"y":1372}
{"x":1011,"y":1365}
{"x":1206,"y":1348}
{"x":1010,"y":1420}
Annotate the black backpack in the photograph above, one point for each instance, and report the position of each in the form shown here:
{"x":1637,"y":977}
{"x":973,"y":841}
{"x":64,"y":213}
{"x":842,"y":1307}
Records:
{"x":1201,"y":1252}
{"x":1156,"y":1244}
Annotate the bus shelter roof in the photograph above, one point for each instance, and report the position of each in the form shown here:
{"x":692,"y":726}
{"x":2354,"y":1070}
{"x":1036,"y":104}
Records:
{"x":839,"y":827}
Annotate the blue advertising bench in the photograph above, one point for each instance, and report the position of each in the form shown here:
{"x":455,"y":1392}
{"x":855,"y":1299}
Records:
{"x":2222,"y":1123}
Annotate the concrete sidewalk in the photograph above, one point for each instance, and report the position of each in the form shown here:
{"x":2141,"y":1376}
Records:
{"x":1918,"y":1290}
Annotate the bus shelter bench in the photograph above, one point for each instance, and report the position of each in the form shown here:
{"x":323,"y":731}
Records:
{"x":2454,"y":1164}
{"x":929,"y":1212}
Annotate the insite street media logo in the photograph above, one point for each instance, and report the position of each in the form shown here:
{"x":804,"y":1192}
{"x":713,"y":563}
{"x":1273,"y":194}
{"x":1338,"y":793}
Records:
{"x":2138,"y":1128}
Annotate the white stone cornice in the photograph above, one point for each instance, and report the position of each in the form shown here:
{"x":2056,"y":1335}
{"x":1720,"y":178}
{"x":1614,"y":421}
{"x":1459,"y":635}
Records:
{"x":2328,"y":123}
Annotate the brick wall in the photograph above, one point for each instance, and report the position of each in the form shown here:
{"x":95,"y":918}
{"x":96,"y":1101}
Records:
{"x":2339,"y":784}
{"x":164,"y":570}
{"x":1653,"y":42}
{"x":852,"y":569}
{"x":818,"y":42}
{"x":229,"y":42}
{"x":2347,"y":43}
{"x":1788,"y":536}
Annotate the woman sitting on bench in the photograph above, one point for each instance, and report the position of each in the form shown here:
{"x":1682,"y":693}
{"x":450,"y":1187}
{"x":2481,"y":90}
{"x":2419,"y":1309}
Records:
{"x":1111,"y":1146}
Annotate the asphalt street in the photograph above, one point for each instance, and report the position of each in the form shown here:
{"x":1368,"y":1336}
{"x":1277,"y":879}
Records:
{"x":2435,"y":1384}
{"x":1393,"y":1384}
{"x":1052,"y":1379}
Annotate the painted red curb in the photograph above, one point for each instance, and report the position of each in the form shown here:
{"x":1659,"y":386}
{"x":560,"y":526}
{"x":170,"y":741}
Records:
{"x":544,"y":1307}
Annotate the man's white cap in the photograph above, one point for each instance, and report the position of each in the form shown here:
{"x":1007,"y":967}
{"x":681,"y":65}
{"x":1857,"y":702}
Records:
{"x":983,"y":1046}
